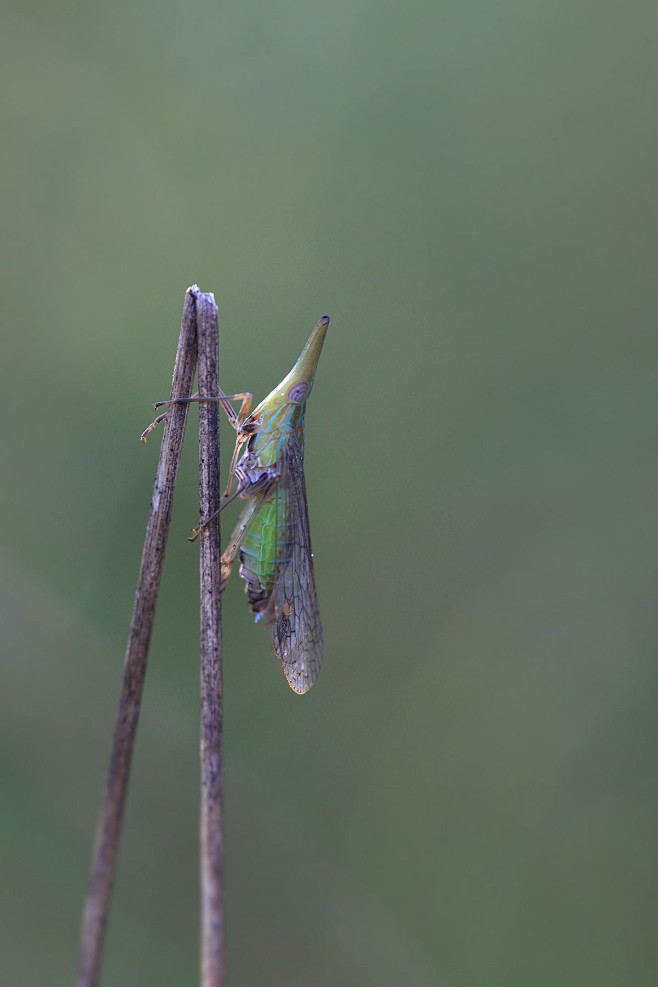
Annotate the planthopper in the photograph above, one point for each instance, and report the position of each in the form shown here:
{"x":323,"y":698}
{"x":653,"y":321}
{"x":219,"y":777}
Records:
{"x":272,"y":538}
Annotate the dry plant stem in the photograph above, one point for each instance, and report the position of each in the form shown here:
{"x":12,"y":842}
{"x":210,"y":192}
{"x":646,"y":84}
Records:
{"x":109,"y":825}
{"x":212,"y":823}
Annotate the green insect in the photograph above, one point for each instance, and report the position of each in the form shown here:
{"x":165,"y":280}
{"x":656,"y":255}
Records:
{"x":272,"y":537}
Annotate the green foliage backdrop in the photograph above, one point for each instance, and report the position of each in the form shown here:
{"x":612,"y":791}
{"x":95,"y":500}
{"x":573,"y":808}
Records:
{"x":468,"y":796}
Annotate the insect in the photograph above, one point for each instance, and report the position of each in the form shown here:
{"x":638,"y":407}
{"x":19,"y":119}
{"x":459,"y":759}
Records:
{"x":272,"y":537}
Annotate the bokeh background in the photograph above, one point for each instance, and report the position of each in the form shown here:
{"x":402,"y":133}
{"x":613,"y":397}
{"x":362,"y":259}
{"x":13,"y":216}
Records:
{"x":468,"y":797}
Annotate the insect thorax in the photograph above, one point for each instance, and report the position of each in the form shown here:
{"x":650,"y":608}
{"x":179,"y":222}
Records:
{"x":252,"y":476}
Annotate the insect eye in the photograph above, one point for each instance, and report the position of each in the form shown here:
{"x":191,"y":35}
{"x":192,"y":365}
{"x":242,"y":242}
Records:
{"x":298,"y":391}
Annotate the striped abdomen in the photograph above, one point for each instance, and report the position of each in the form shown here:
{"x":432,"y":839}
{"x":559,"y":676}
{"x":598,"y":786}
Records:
{"x":259,"y":555}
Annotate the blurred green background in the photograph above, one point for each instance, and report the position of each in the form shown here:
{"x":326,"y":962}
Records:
{"x":468,"y":796}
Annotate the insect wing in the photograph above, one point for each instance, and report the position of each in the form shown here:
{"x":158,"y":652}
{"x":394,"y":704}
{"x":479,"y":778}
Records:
{"x":293,"y":614}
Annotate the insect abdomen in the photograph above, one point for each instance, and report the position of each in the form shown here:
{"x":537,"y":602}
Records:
{"x":258,"y":557}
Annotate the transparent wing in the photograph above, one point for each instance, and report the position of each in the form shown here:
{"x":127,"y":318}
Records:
{"x":293,"y":614}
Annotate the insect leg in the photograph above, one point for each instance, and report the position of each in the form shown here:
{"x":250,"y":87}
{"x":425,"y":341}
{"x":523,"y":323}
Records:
{"x":204,"y":524}
{"x":236,"y":418}
{"x":235,"y":543}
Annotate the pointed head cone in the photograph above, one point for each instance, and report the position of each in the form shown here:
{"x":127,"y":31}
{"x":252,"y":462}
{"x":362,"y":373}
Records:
{"x":296,"y":386}
{"x":304,"y":369}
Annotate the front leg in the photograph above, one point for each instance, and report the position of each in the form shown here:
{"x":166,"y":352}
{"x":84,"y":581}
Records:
{"x":236,"y":418}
